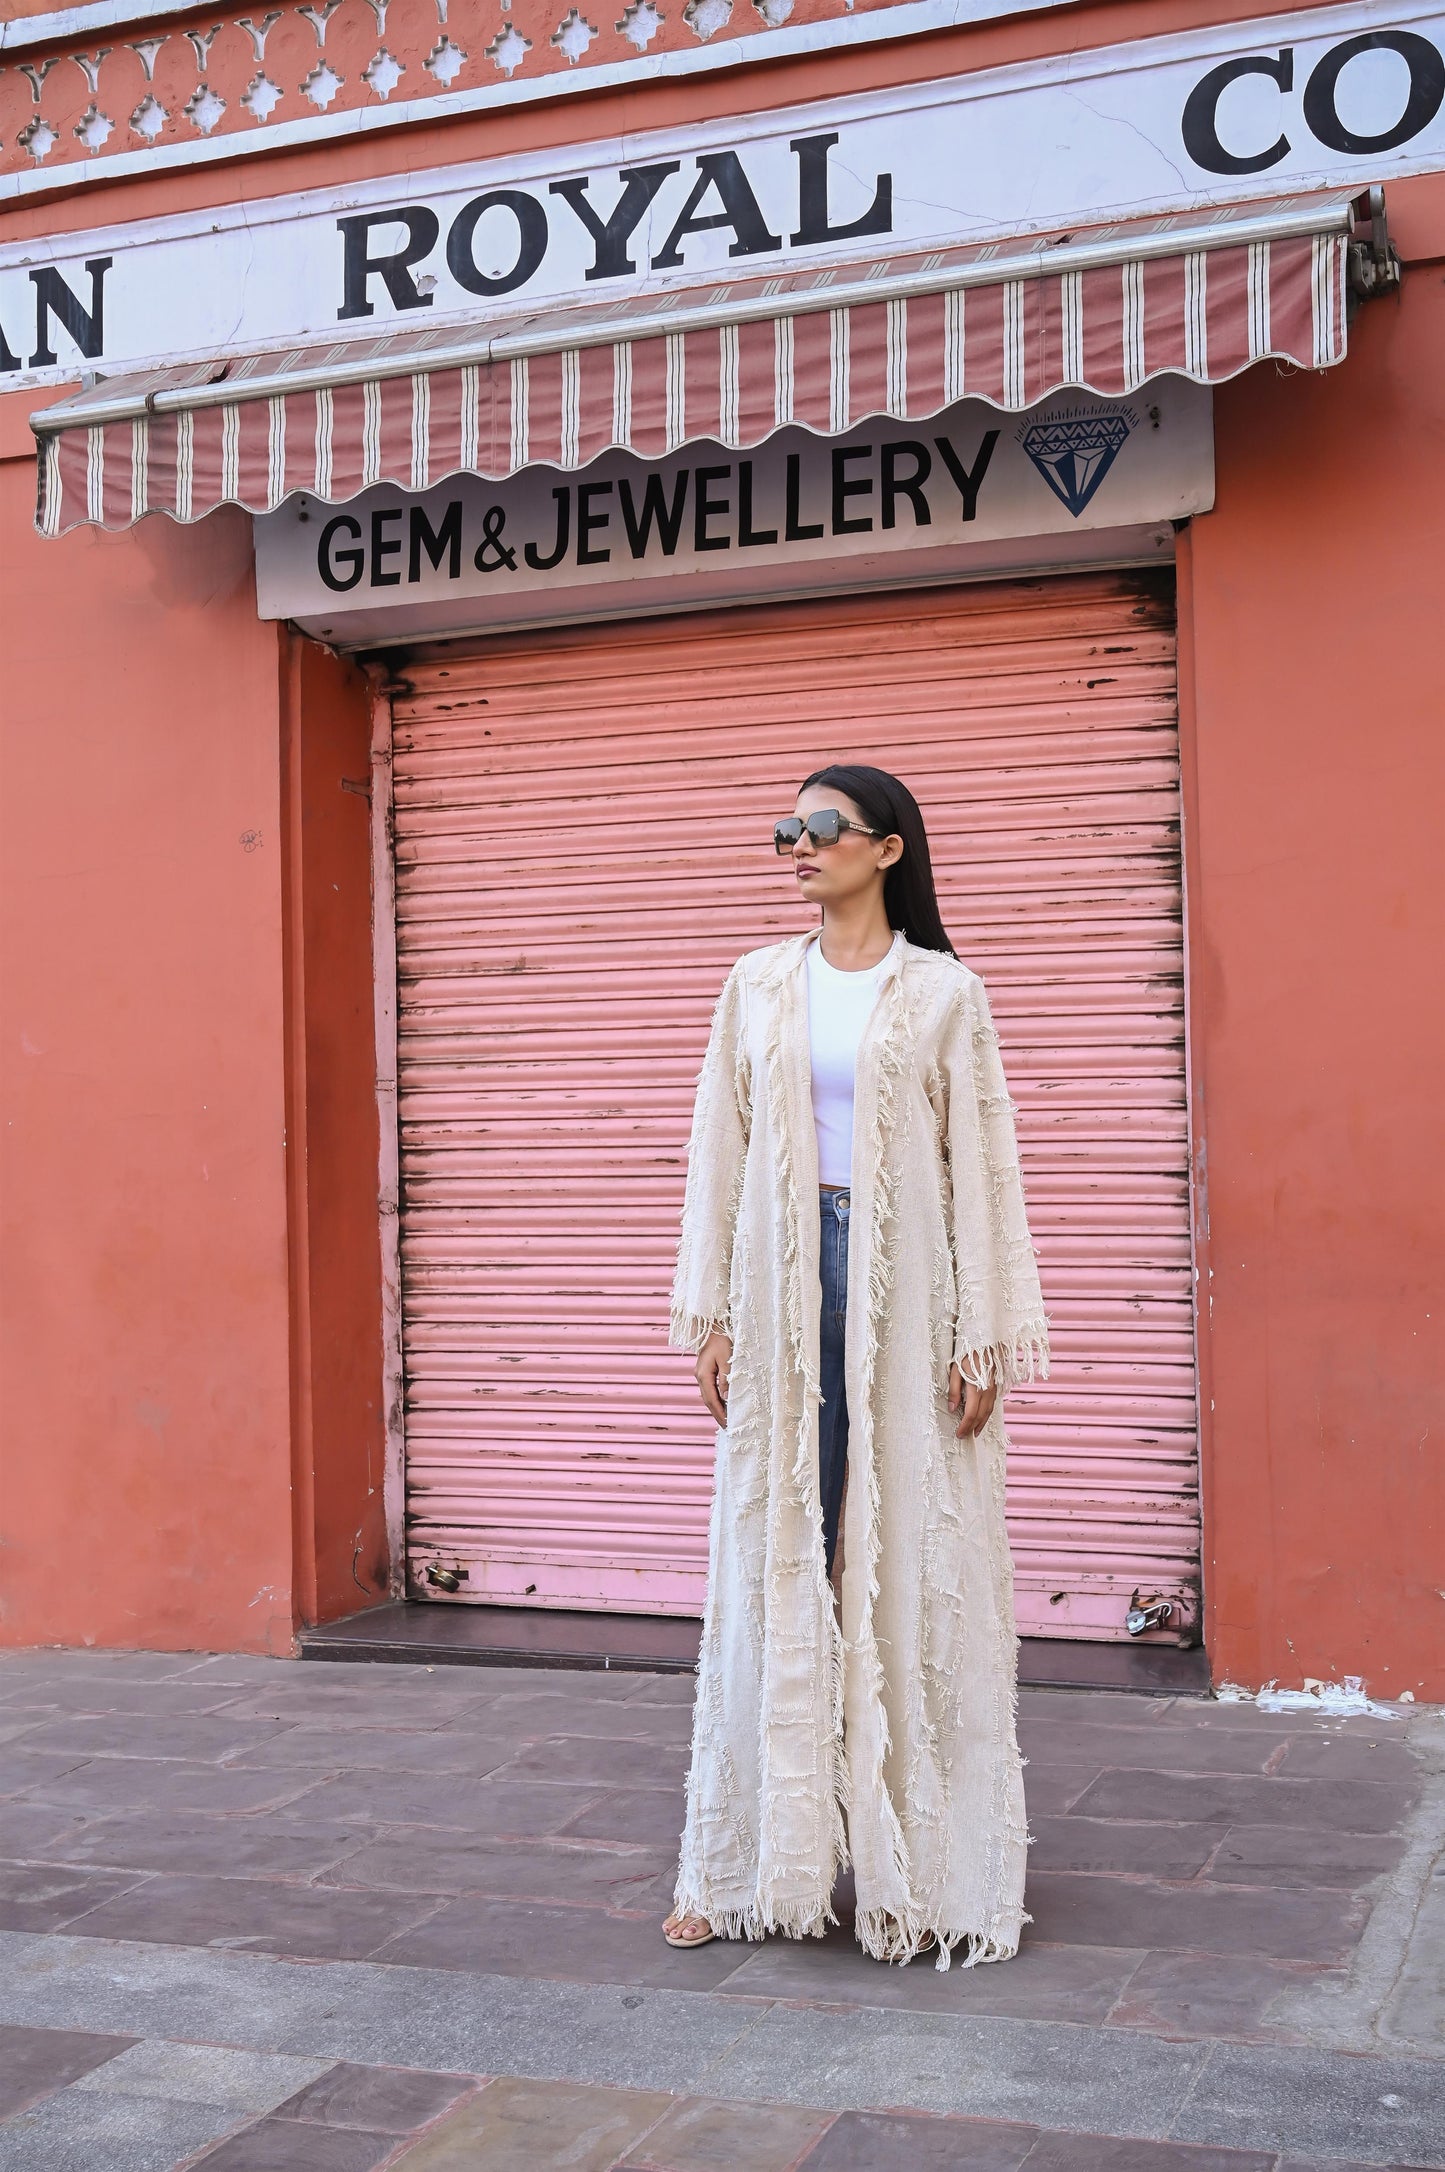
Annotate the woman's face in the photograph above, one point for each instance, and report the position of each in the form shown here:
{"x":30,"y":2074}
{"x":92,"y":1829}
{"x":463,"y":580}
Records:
{"x":830,"y":875}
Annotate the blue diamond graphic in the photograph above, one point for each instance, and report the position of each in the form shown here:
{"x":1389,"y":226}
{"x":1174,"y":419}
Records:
{"x":1073,"y":457}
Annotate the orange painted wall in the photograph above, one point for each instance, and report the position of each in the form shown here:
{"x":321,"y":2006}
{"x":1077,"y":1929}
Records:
{"x":1311,"y":597}
{"x":146,"y":1429}
{"x":341,"y":1548}
{"x":190,"y":1416}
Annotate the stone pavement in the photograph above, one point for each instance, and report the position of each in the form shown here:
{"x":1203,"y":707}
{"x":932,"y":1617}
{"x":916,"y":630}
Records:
{"x":274,"y":1918}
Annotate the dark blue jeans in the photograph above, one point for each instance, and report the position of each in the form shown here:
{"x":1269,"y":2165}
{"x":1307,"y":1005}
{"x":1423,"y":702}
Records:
{"x":833,"y":1417}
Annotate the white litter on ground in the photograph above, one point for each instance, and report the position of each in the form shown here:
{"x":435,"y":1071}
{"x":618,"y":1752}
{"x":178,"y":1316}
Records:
{"x":1333,"y":1700}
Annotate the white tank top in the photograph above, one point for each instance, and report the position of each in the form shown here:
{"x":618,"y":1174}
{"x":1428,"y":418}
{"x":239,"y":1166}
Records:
{"x":839,"y":1006}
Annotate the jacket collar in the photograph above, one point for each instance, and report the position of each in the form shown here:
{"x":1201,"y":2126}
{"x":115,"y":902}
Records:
{"x":789,"y":956}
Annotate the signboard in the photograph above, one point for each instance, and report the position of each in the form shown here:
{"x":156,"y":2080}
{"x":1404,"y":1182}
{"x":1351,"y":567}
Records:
{"x":971,"y":491}
{"x":1232,"y":112}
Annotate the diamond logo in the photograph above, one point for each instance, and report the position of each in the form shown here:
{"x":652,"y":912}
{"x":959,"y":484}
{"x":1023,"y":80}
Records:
{"x":1075,"y":451}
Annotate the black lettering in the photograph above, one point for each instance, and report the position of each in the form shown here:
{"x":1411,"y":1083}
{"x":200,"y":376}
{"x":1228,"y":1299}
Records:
{"x":969,"y":480}
{"x":588,"y":522}
{"x":445,"y":541}
{"x":706,"y":507}
{"x":893,"y":485}
{"x":531,"y":218}
{"x":1427,"y":89}
{"x":611,"y":236}
{"x":8,"y":359}
{"x":813,"y":222}
{"x":723,"y":171}
{"x":533,"y":556}
{"x":655,"y":512}
{"x":385,"y":546}
{"x":1200,"y":125}
{"x":53,"y":298}
{"x":846,"y":486}
{"x":359,"y":266}
{"x":328,"y":558}
{"x":749,"y":537}
{"x":795,"y":528}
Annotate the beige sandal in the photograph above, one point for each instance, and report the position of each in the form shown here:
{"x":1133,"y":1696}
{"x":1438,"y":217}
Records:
{"x":675,"y":1931}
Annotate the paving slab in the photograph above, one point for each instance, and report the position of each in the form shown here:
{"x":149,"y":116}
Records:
{"x":281,"y":2145}
{"x":110,"y":1783}
{"x":1256,"y":1855}
{"x":567,"y":1944}
{"x":265,"y":1914}
{"x":46,"y":1897}
{"x":411,"y":1706}
{"x":77,"y":2131}
{"x":1045,"y":1983}
{"x":1147,"y":1913}
{"x":1208,"y":1995}
{"x":444,"y":1863}
{"x":242,"y":2081}
{"x":1150,"y":1748}
{"x":643,"y":1816}
{"x":888,"y":2141}
{"x":512,"y":2126}
{"x":1344,"y":1806}
{"x":378,"y":2099}
{"x":449,"y":1802}
{"x":1390,"y":2109}
{"x":421,"y":1751}
{"x":261,"y":1845}
{"x":36,"y":2062}
{"x":994,"y":2068}
{"x":195,"y":1738}
{"x":702,"y":2135}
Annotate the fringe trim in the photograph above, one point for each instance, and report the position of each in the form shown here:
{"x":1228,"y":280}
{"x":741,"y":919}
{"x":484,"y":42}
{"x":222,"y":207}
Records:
{"x":891,"y":1066}
{"x":809,"y":1919}
{"x":901,"y":1939}
{"x":689,"y":1330}
{"x":759,"y":1920}
{"x":1010,"y":1362}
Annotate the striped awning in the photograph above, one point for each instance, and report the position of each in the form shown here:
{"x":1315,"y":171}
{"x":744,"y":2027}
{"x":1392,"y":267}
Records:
{"x":1202,"y":294}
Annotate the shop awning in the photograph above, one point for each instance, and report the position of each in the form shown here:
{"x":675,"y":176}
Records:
{"x":1202,"y":294}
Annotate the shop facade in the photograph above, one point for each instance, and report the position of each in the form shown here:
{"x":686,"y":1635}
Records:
{"x":450,"y":509}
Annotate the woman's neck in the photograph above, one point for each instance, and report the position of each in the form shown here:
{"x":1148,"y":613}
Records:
{"x":853,"y":937}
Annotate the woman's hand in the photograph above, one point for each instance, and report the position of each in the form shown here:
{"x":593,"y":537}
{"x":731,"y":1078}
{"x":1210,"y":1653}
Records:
{"x":977,"y":1403}
{"x":714,"y":1360}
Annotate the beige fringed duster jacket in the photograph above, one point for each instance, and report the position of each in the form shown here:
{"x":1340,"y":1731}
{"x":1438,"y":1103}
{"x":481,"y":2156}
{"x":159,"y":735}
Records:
{"x":885,"y":1738}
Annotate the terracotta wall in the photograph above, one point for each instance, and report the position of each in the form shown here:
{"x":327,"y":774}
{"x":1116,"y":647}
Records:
{"x":145,"y":1360}
{"x":1318,"y":916}
{"x":190,"y":1460}
{"x":341,"y":1550}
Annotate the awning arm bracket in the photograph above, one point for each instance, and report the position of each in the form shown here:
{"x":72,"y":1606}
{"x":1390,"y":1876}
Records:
{"x":1374,"y":261}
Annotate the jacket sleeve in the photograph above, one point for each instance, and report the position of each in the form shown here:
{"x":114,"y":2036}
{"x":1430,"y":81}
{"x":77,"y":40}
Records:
{"x":715,"y":1156}
{"x":1000,"y":1333}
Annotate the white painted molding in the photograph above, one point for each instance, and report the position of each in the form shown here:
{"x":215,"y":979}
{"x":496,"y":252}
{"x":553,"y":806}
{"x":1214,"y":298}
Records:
{"x":909,"y":18}
{"x":26,"y":32}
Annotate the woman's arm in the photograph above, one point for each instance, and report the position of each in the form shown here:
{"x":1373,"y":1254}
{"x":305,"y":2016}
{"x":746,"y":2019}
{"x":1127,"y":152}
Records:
{"x":1000,"y":1331}
{"x":700,"y":1292}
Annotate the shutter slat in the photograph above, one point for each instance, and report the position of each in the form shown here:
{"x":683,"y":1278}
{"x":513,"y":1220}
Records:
{"x":583,"y":846}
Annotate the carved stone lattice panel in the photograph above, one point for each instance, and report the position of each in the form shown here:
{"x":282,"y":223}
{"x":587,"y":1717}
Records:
{"x":236,"y":75}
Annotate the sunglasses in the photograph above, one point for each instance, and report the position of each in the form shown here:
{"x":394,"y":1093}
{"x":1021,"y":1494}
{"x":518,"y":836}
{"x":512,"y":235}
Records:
{"x":823,"y":828}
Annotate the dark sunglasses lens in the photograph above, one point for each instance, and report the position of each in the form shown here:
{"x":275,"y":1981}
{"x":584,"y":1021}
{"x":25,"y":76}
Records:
{"x":786,"y":834}
{"x":824,"y":828}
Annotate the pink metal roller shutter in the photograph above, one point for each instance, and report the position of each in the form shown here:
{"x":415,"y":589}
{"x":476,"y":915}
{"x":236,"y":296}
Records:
{"x":582,"y":848}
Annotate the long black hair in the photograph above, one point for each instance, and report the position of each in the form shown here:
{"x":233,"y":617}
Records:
{"x":887,"y":805}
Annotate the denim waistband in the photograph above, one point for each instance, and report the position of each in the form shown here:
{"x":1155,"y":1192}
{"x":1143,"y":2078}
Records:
{"x":834,"y":1203}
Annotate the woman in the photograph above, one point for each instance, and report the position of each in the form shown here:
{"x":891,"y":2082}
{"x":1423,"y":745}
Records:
{"x":856,"y":1277}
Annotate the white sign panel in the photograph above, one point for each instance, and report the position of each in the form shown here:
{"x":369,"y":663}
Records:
{"x":1248,"y":109}
{"x":971,"y":491}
